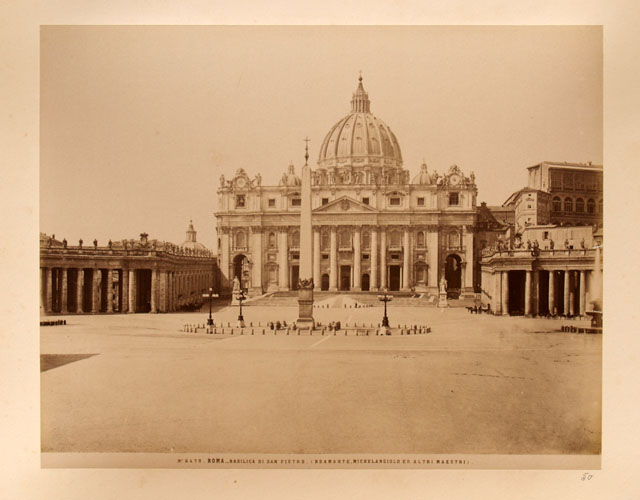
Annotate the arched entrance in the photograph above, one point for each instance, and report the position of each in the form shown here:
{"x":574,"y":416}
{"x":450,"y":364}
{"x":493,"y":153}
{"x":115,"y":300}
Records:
{"x":241,"y":271}
{"x":365,"y":282}
{"x":453,"y":275}
{"x":324,"y":282}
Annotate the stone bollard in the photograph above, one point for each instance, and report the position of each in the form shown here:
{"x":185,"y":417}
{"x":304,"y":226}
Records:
{"x":287,"y":331}
{"x":232,"y":331}
{"x":263,"y":331}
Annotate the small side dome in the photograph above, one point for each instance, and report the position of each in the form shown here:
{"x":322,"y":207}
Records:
{"x":290,"y":178}
{"x":423,"y":177}
{"x":191,"y":239}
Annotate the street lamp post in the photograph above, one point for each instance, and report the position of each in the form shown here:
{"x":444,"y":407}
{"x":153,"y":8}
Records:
{"x":240,"y":296}
{"x":211,"y":295}
{"x":385,"y":319}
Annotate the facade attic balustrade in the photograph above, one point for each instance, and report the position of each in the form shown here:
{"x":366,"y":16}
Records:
{"x":542,"y":253}
{"x":128,"y":248}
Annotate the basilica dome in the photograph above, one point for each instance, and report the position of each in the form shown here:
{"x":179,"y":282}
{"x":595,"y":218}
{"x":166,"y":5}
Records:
{"x":423,"y":177}
{"x":360,"y":138}
{"x":290,"y":178}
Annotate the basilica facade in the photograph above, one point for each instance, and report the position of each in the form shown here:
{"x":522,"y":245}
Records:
{"x":375,"y":226}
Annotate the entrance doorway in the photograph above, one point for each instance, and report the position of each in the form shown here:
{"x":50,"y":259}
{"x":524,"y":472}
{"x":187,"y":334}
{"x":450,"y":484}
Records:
{"x":241,"y":271}
{"x":324,"y":282}
{"x":345,"y":278}
{"x":453,"y":275}
{"x":394,"y":278}
{"x":365,"y":282}
{"x":295,"y":274}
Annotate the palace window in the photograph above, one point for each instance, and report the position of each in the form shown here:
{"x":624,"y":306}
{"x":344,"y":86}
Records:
{"x":345,"y":239}
{"x":395,"y":256}
{"x":421,"y":201}
{"x":296,"y":202}
{"x":272,"y":202}
{"x":420,"y":239}
{"x":366,"y":239}
{"x":325,"y":201}
{"x":365,"y":256}
{"x":591,"y":206}
{"x":579,"y":182}
{"x":454,"y":199}
{"x":395,"y":240}
{"x":241,"y":239}
{"x":394,"y":201}
{"x":325,"y":256}
{"x":567,"y":181}
{"x":580,"y":205}
{"x":240,"y":201}
{"x":272,"y":240}
{"x":557,"y":204}
{"x":556,"y":180}
{"x":295,"y":256}
{"x":295,"y":239}
{"x":568,"y":205}
{"x":545,"y":235}
{"x":326,"y":241}
{"x":365,"y":200}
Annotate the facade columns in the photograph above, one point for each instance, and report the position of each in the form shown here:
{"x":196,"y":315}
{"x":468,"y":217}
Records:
{"x":132,"y":291}
{"x":79,"y":291}
{"x":432,"y":258}
{"x":224,"y":261}
{"x":505,"y":293}
{"x":283,"y":257}
{"x":467,"y":271}
{"x":527,"y":293}
{"x":110,"y":290}
{"x":383,"y":258}
{"x":583,"y":293}
{"x":333,"y":261}
{"x":357,"y":261}
{"x":154,"y":290}
{"x":552,"y":293}
{"x":256,"y":257}
{"x":406,"y":267}
{"x":65,"y":292}
{"x":316,"y":259}
{"x":96,"y":281}
{"x":373,"y":259}
{"x":567,"y":285}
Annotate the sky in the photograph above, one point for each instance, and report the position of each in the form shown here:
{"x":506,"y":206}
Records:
{"x":138,"y":123}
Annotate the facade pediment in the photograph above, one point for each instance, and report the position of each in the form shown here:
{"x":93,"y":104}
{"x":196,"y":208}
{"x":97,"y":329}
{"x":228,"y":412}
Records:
{"x":344,"y":204}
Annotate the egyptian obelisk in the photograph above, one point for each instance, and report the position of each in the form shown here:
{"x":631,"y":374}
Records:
{"x":305,"y":282}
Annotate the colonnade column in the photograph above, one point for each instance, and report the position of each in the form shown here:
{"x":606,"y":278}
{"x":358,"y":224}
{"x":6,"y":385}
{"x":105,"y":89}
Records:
{"x":154,"y":290}
{"x":333,"y":261}
{"x":583,"y":293}
{"x":132,"y":291}
{"x":357,"y":270}
{"x":527,"y":293}
{"x":79,"y":291}
{"x":497,"y":296}
{"x":406,"y":268}
{"x":373,"y":259}
{"x":316,"y":258}
{"x":110,"y":290}
{"x":567,"y":284}
{"x":383,"y":258}
{"x":164,"y":292}
{"x":572,"y":293}
{"x":283,"y":257}
{"x":552,"y":292}
{"x":65,"y":292}
{"x":225,"y":279}
{"x":96,"y":280}
{"x":124,"y":307}
{"x":505,"y":293}
{"x":48,"y":304}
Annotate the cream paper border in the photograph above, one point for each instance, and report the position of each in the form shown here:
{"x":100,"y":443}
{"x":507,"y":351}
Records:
{"x":22,"y":476}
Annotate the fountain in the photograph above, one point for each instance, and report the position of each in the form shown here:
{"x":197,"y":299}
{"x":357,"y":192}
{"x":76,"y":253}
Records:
{"x":596,"y":292}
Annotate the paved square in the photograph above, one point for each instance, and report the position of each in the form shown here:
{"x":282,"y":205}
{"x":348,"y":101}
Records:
{"x":476,"y":384}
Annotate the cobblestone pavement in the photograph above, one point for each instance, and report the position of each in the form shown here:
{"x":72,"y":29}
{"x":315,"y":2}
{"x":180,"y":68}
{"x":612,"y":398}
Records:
{"x":476,"y":384}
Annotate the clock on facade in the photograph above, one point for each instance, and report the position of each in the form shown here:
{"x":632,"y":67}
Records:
{"x":454,"y":179}
{"x":240,"y":182}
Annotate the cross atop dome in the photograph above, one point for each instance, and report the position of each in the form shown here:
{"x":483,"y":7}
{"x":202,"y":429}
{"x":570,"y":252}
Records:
{"x":360,"y":102}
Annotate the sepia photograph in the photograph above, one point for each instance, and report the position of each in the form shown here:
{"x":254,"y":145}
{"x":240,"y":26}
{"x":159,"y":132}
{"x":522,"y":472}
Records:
{"x":324,"y":247}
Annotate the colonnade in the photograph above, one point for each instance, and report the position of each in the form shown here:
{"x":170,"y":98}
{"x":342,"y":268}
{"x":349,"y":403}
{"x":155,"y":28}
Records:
{"x":123,"y":290}
{"x":554,"y":292}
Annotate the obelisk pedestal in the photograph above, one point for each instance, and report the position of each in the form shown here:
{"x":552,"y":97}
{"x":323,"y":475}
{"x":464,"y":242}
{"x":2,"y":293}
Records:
{"x":305,"y":283}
